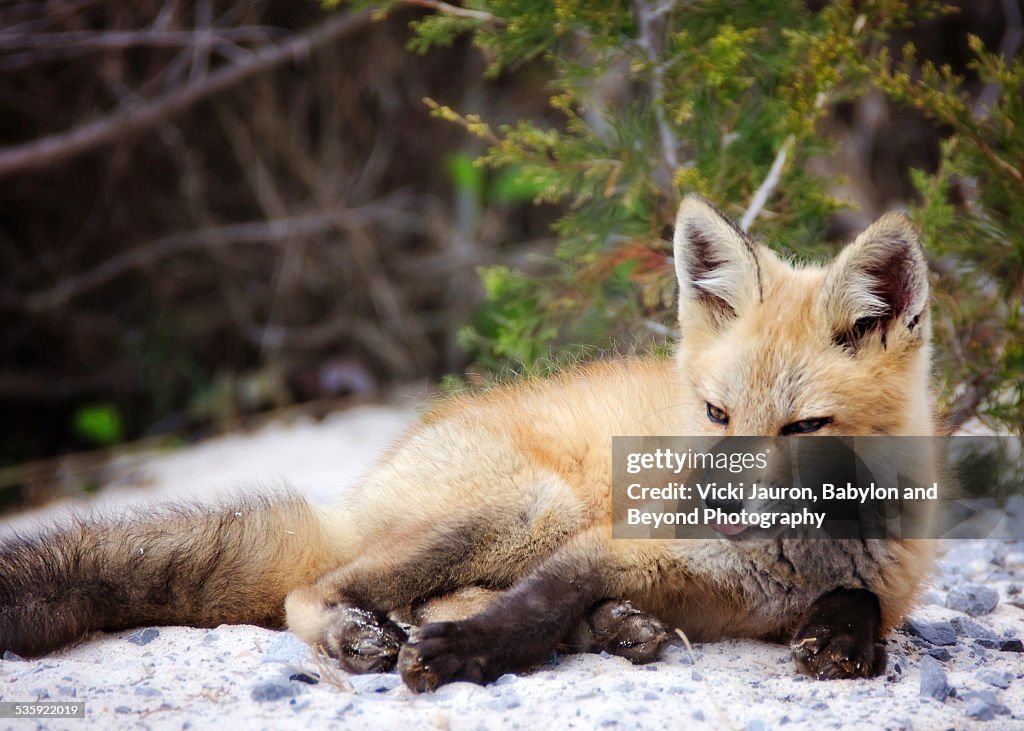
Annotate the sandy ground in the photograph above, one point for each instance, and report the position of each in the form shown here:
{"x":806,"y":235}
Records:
{"x":947,"y":669}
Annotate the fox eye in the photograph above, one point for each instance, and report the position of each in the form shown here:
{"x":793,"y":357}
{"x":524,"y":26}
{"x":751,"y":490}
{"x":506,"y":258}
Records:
{"x":717,"y":415}
{"x":806,"y":426}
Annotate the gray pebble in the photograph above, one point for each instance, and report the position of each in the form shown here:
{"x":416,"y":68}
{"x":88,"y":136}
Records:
{"x":966,"y":627}
{"x":506,"y":679}
{"x":505,"y":703}
{"x":272,"y":691}
{"x":934,"y":683}
{"x":375,"y":682}
{"x":936,"y":633}
{"x":12,"y":657}
{"x":940,"y":653}
{"x":996,"y":678}
{"x":148,"y":691}
{"x":286,"y":647}
{"x":973,"y":599}
{"x":144,"y":636}
{"x":984,"y":705}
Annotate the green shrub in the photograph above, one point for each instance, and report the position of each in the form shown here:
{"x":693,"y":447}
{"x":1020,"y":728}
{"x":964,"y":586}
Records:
{"x":658,"y":99}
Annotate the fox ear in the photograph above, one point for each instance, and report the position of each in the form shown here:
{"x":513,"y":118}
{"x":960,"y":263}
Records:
{"x":716,"y":264}
{"x":878,"y":284}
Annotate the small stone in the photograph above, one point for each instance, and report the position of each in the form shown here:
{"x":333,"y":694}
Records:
{"x":934,"y":682}
{"x":698,"y":715}
{"x":307,"y":678}
{"x":122,"y":709}
{"x":935,"y":633}
{"x":12,"y":657}
{"x":144,"y":636}
{"x":506,"y":679}
{"x":147,"y":691}
{"x":505,"y":703}
{"x":940,"y":653}
{"x":1001,"y":645}
{"x":1011,"y":646}
{"x":984,"y":705}
{"x":969,"y":628}
{"x":375,"y":682}
{"x":998,"y":679}
{"x":274,"y":691}
{"x":286,"y":648}
{"x":973,"y":600}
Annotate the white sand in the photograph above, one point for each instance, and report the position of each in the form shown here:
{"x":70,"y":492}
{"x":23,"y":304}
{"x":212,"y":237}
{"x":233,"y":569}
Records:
{"x":238,"y":677}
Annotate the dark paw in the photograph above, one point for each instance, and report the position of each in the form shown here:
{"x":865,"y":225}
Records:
{"x":363,"y":641}
{"x":620,"y":629}
{"x":440,"y":653}
{"x":829,"y":653}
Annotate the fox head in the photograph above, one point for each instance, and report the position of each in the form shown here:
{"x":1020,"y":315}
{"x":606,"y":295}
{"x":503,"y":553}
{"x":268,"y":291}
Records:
{"x":772,"y":348}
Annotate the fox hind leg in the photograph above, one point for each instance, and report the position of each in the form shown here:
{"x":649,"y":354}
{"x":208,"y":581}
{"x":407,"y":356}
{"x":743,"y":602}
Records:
{"x":617,"y":627}
{"x":614,"y":626}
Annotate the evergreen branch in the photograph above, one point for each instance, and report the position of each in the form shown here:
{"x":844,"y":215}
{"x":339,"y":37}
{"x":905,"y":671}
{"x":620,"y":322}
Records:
{"x":998,"y":161}
{"x":768,"y":184}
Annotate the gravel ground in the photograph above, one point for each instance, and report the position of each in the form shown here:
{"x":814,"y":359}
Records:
{"x":958,"y":663}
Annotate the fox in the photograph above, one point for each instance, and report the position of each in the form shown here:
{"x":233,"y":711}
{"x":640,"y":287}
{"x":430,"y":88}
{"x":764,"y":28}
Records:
{"x":481,"y":542}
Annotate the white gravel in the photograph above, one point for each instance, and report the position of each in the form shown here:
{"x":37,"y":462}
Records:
{"x":240,"y":677}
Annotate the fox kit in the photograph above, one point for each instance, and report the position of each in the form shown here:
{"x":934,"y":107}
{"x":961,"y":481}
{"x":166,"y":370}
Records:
{"x":487,"y":527}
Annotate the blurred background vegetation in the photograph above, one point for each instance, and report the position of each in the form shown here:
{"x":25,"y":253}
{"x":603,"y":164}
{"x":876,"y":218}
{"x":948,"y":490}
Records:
{"x":211,"y":209}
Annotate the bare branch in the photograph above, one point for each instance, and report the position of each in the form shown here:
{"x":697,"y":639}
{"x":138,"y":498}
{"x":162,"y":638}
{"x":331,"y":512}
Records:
{"x":119,"y":40}
{"x":137,"y":117}
{"x":457,"y":12}
{"x":768,"y":184}
{"x":646,"y":18}
{"x":255,"y":232}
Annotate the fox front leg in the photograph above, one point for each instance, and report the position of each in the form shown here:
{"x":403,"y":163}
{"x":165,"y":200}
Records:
{"x":839,"y":636}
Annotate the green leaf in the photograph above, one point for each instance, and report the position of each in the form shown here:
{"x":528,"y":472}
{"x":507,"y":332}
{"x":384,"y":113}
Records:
{"x":99,"y":423}
{"x":465,"y":175}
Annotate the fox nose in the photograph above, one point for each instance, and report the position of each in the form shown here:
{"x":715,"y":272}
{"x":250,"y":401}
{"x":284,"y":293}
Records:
{"x":726,"y":506}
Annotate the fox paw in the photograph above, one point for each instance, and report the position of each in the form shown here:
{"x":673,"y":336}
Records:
{"x":363,"y":641}
{"x":829,"y":653}
{"x":619,"y":629}
{"x":440,"y":653}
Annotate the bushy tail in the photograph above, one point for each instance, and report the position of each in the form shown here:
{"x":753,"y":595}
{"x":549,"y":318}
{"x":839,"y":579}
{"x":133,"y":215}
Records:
{"x":196,"y":565}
